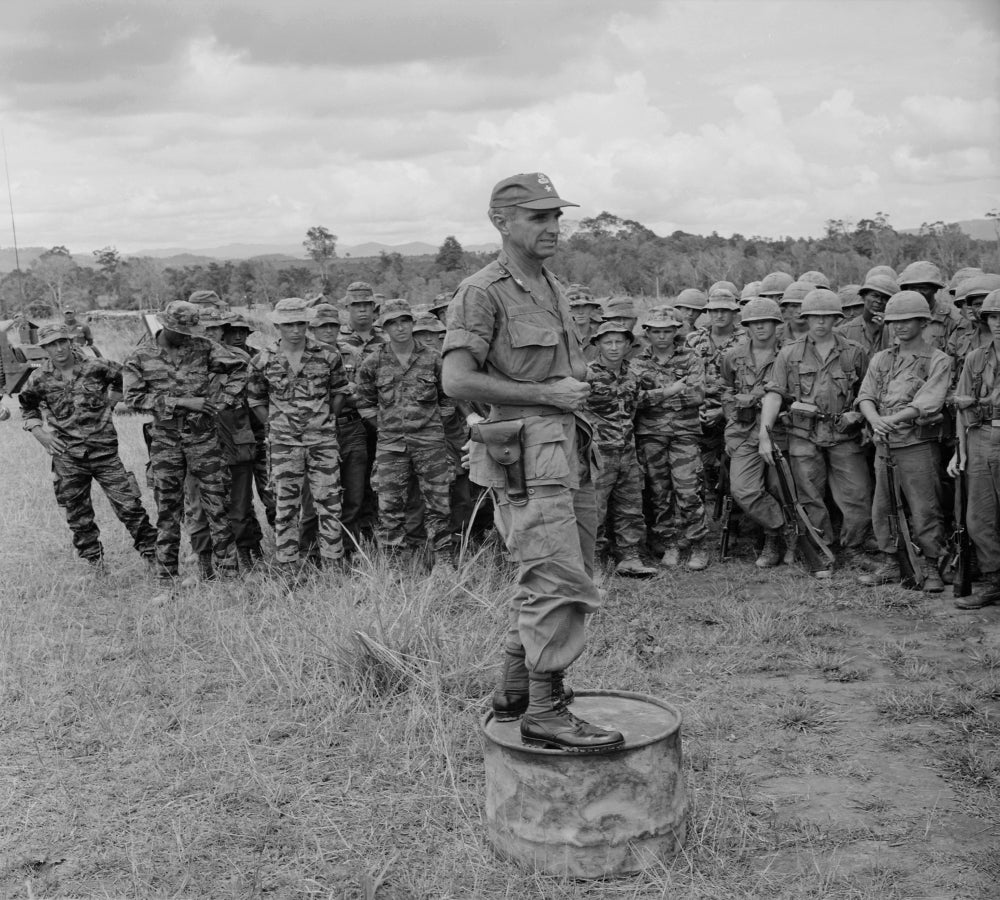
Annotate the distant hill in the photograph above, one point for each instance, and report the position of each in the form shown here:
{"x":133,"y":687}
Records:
{"x":977,"y":229}
{"x":293,"y":252}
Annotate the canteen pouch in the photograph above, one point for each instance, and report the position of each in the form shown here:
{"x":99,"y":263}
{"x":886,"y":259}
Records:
{"x":929,"y":428}
{"x":803,"y":416}
{"x":504,"y":442}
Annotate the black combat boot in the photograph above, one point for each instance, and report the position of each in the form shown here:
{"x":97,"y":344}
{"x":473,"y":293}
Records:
{"x":510,"y":699}
{"x":549,"y":723}
{"x":206,"y":570}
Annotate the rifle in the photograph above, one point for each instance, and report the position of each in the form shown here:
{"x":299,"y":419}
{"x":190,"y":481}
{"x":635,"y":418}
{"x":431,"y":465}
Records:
{"x":723,"y":511}
{"x":960,"y":556}
{"x":899,"y":529}
{"x":800,"y":532}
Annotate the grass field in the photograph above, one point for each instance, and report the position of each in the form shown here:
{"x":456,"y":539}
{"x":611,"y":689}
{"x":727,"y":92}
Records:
{"x":244,"y":741}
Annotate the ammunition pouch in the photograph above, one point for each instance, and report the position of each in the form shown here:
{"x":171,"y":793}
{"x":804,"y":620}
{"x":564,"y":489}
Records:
{"x":504,"y":442}
{"x":929,"y":428}
{"x":803,"y":416}
{"x":745,"y":408}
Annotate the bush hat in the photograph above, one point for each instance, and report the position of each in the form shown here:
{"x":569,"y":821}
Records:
{"x":182,"y":317}
{"x":611,"y":328}
{"x":291,"y":310}
{"x":325,"y":314}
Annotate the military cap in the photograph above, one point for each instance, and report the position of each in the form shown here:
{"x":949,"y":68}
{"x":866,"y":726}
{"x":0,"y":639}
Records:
{"x":849,"y":295}
{"x":181,"y":317}
{"x":531,"y":190}
{"x":821,"y":302}
{"x":906,"y":305}
{"x":761,"y":309}
{"x":815,"y":278}
{"x":207,"y":298}
{"x":750,"y":290}
{"x":976,"y":286}
{"x":427,"y":322}
{"x":691,"y":298}
{"x":880,"y":283}
{"x":774,"y":284}
{"x":359,"y":287}
{"x":441,"y":301}
{"x":290,"y":310}
{"x":325,"y":314}
{"x":619,"y":308}
{"x":960,"y":276}
{"x":921,"y":272}
{"x":611,"y":328}
{"x":722,"y":295}
{"x":796,"y":292}
{"x":237,"y":320}
{"x":662,"y":317}
{"x":397,"y":308}
{"x":49,"y":334}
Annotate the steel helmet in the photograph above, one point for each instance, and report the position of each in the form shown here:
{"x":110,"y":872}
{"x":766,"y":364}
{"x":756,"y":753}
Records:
{"x":774,"y":285}
{"x":796,"y":292}
{"x":821,"y":302}
{"x":761,"y":309}
{"x":691,"y":298}
{"x":848,"y":294}
{"x":906,"y":305}
{"x":815,"y":278}
{"x":921,"y":272}
{"x":960,"y":276}
{"x":750,"y":290}
{"x":722,"y":295}
{"x":888,"y":271}
{"x":991,"y":304}
{"x":976,"y":286}
{"x":880,"y":283}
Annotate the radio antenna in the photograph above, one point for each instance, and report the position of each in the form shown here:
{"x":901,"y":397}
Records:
{"x":13,"y":227}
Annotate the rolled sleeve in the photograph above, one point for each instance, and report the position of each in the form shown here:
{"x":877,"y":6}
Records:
{"x":471,"y":324}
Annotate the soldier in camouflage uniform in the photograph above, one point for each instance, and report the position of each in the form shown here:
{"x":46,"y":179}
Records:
{"x":239,"y":448}
{"x":668,"y":433}
{"x":614,"y":393}
{"x":746,"y":369}
{"x":298,"y":387}
{"x":77,"y":397}
{"x":401,"y":384}
{"x":171,"y":376}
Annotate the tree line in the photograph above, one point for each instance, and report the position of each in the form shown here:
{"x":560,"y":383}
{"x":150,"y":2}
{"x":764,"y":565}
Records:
{"x":610,"y":254}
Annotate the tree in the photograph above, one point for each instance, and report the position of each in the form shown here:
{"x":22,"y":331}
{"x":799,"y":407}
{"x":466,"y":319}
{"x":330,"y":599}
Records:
{"x":109,"y":262}
{"x":450,"y":256}
{"x":321,"y":246}
{"x":56,"y":269}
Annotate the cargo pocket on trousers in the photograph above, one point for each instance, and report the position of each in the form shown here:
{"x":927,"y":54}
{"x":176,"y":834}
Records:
{"x":545,"y":451}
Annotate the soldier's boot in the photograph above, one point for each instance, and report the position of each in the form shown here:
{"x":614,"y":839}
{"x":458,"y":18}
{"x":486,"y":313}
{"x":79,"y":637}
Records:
{"x":244,"y":557}
{"x":887,"y":573}
{"x":770,"y":553}
{"x":698,"y":560}
{"x":858,"y":559}
{"x":256,"y":552}
{"x":671,"y":556}
{"x":206,"y":571}
{"x":510,"y":699}
{"x":986,"y":597}
{"x":634,"y":568}
{"x":933,"y":583}
{"x":547,"y":722}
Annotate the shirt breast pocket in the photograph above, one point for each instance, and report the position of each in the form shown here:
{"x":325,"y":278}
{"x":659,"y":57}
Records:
{"x":807,"y":381}
{"x":533,"y":348}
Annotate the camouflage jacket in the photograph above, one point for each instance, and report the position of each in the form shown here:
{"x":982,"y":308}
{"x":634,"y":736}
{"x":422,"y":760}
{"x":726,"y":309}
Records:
{"x":671,"y":415}
{"x":78,"y":409}
{"x":154,"y":383}
{"x":300,"y":404}
{"x":235,"y":426}
{"x":710,"y":351}
{"x":361,"y":348}
{"x":409,"y":399}
{"x":611,"y":405}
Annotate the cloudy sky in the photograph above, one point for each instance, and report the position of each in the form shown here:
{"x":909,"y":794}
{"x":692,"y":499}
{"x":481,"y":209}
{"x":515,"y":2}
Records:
{"x":195,"y":123}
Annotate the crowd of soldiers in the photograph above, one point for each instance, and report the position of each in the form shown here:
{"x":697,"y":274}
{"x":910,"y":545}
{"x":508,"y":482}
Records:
{"x":344,"y":430}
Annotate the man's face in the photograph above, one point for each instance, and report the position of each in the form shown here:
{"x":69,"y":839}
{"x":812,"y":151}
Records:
{"x":762,"y":331}
{"x":613,"y":346}
{"x":433,"y":339}
{"x":972,"y":306}
{"x":928,"y":291}
{"x":70,"y":317}
{"x":60,"y":352}
{"x":327,"y":333}
{"x":852,"y":312}
{"x":235,"y":336}
{"x":215,"y":332}
{"x":689,"y":313}
{"x":992,"y":321}
{"x":532,"y":232}
{"x":173,"y":338}
{"x":790,"y":313}
{"x":821,"y":326}
{"x":908,"y":329}
{"x":400,"y":330}
{"x":362,"y":313}
{"x":293,"y":334}
{"x":722,"y":318}
{"x":874,"y":305}
{"x":661,"y":339}
{"x":582,"y":314}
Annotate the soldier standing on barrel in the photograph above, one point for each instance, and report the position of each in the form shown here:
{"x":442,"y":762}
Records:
{"x":511,"y":343}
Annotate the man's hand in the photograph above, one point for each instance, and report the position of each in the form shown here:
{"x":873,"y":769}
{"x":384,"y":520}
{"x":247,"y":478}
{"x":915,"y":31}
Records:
{"x":196,"y":404}
{"x":766,"y":448}
{"x":710,"y":417}
{"x":883,"y":426}
{"x":567,"y":393}
{"x":956,"y":464}
{"x":53,"y":445}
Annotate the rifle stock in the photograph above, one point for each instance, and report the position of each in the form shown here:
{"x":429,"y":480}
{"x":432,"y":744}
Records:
{"x":800,"y":531}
